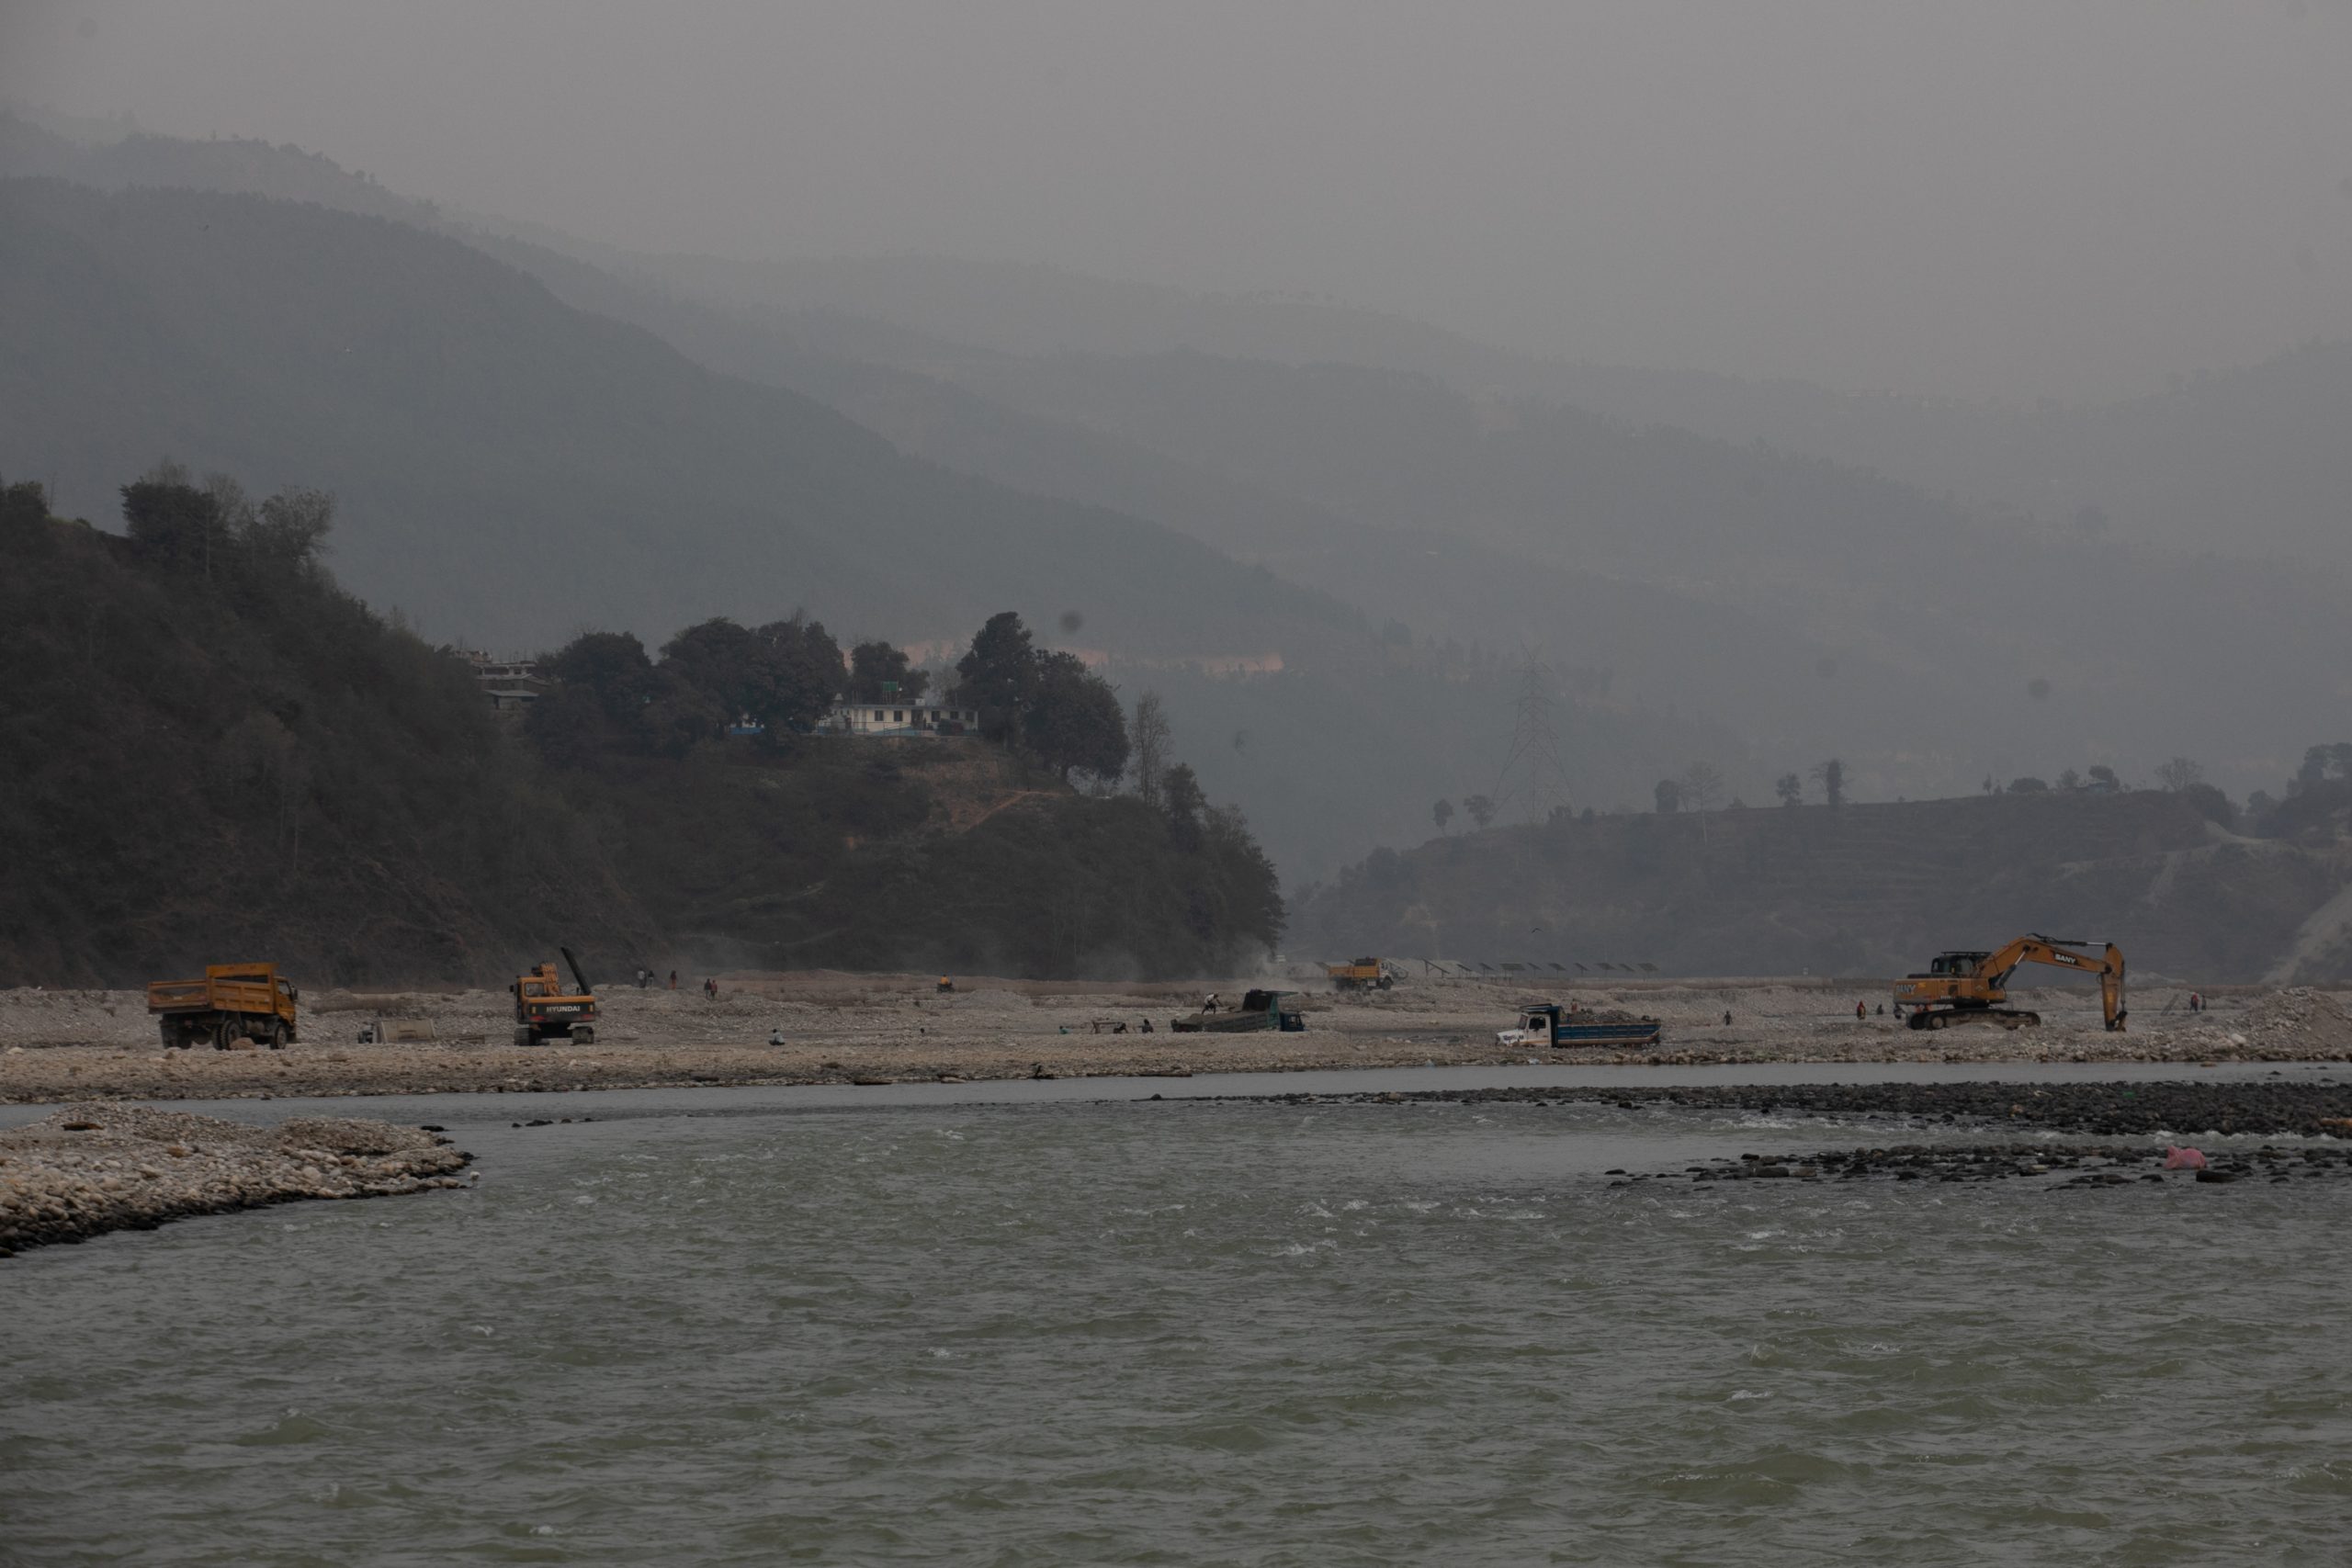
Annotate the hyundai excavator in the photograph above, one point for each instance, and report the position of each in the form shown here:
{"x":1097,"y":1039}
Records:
{"x":1964,"y":987}
{"x":545,"y":1010}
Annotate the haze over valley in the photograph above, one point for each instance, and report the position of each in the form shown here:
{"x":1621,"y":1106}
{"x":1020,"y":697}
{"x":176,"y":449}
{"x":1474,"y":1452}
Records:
{"x":1347,"y":543}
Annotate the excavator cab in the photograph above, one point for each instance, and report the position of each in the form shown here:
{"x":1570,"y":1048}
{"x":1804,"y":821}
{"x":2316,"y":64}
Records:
{"x":1954,"y":965}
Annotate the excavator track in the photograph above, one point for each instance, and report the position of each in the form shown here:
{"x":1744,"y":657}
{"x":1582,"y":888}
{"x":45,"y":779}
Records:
{"x":2007,"y":1018}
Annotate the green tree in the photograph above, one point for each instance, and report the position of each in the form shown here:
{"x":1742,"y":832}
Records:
{"x":1669,"y":795}
{"x":175,"y":523}
{"x":1481,"y":808}
{"x":997,"y":674}
{"x":880,"y":672}
{"x":1073,"y":719}
{"x":23,"y":503}
{"x":1831,"y":776}
{"x":782,"y":676}
{"x":1152,"y":735}
{"x":1790,"y":788}
{"x":801,"y":675}
{"x":1182,"y":800}
{"x":289,"y":529}
{"x":1442,"y":813}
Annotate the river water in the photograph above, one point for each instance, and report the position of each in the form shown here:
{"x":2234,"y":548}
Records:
{"x":1186,"y":1332}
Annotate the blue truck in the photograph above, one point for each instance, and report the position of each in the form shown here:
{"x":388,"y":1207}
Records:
{"x":1549,"y":1023}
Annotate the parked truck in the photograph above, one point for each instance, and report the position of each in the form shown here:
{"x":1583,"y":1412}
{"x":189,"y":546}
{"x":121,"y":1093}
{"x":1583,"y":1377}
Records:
{"x":1259,"y":1009}
{"x":232,"y":1002}
{"x":1361,"y":975}
{"x":1549,"y":1023}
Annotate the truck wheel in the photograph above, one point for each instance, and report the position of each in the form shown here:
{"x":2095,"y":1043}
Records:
{"x":226,"y":1034}
{"x":522,"y":1036}
{"x":277,"y":1035}
{"x":170,"y":1031}
{"x":1387,"y":981}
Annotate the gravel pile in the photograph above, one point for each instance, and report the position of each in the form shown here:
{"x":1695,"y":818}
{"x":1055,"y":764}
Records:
{"x":2301,"y":1020}
{"x":91,"y":1169}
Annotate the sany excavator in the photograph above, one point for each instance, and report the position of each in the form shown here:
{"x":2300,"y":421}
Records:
{"x":1963,"y":987}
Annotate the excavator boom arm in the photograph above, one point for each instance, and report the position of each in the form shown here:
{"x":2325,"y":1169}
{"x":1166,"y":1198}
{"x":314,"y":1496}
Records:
{"x":2039,"y":949}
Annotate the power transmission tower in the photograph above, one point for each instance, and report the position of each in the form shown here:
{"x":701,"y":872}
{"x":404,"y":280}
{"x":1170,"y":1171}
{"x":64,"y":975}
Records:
{"x":1532,"y":771}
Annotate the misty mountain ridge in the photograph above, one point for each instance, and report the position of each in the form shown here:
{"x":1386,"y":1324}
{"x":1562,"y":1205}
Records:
{"x":500,"y":453}
{"x":1689,"y":593}
{"x":2235,"y":459}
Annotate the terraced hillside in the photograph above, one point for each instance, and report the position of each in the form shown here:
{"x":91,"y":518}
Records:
{"x":1859,"y":890}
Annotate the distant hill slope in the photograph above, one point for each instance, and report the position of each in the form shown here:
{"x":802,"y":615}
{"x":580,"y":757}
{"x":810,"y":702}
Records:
{"x":2246,"y":461}
{"x":521,"y":467}
{"x":223,"y":757}
{"x":1861,"y":889}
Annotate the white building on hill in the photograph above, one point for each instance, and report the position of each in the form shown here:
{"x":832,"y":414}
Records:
{"x":899,"y":717}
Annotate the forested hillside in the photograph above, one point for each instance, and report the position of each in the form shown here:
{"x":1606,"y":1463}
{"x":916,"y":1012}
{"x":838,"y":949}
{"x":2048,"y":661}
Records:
{"x":1860,"y":889}
{"x":211,"y":752}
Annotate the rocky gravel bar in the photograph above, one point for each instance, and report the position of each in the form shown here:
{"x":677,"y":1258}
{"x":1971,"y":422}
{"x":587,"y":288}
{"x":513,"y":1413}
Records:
{"x":2060,"y":1165}
{"x":90,"y":1168}
{"x":2170,"y":1113}
{"x":2103,"y":1110}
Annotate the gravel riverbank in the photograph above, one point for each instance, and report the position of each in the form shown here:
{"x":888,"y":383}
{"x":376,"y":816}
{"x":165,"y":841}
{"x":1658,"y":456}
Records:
{"x":816,"y":1028}
{"x":91,"y":1169}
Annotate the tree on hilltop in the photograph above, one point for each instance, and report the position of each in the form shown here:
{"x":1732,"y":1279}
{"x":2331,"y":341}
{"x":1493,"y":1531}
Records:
{"x":1152,"y":735}
{"x":997,"y":673}
{"x":1074,"y":719}
{"x":880,"y":672}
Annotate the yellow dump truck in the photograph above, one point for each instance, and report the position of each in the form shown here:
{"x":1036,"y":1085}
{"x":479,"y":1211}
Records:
{"x":1361,"y":975}
{"x":232,"y":1002}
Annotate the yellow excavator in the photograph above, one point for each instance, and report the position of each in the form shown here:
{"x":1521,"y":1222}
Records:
{"x":1966,"y":987}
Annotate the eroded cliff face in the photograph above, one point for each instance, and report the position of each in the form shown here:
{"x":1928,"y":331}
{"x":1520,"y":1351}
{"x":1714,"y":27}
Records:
{"x":1859,"y":890}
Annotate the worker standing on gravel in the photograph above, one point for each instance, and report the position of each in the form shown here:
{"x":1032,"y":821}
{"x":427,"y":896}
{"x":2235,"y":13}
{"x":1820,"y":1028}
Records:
{"x":1861,"y":1013}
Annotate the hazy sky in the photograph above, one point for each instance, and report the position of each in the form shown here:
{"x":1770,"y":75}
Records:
{"x":2012,"y":198}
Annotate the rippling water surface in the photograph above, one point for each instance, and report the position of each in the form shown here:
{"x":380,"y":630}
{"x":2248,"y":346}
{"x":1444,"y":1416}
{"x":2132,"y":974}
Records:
{"x":1188,"y":1333}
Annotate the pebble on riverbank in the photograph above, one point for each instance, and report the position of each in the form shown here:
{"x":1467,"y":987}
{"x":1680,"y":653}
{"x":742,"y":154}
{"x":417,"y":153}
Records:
{"x":90,"y":1168}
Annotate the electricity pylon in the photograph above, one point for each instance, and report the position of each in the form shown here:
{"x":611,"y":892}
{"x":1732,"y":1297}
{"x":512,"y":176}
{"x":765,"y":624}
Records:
{"x":1532,"y":771}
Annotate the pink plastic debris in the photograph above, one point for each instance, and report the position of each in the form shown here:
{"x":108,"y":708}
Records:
{"x":2183,"y":1159}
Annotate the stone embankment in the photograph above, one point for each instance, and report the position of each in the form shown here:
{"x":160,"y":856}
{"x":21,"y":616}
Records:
{"x":91,"y":1169}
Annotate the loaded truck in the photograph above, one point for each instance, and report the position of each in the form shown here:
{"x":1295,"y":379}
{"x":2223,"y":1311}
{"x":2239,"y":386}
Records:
{"x":1259,"y":1009}
{"x":232,"y":1002}
{"x":544,"y":1009}
{"x":1549,"y":1023}
{"x":1361,"y":975}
